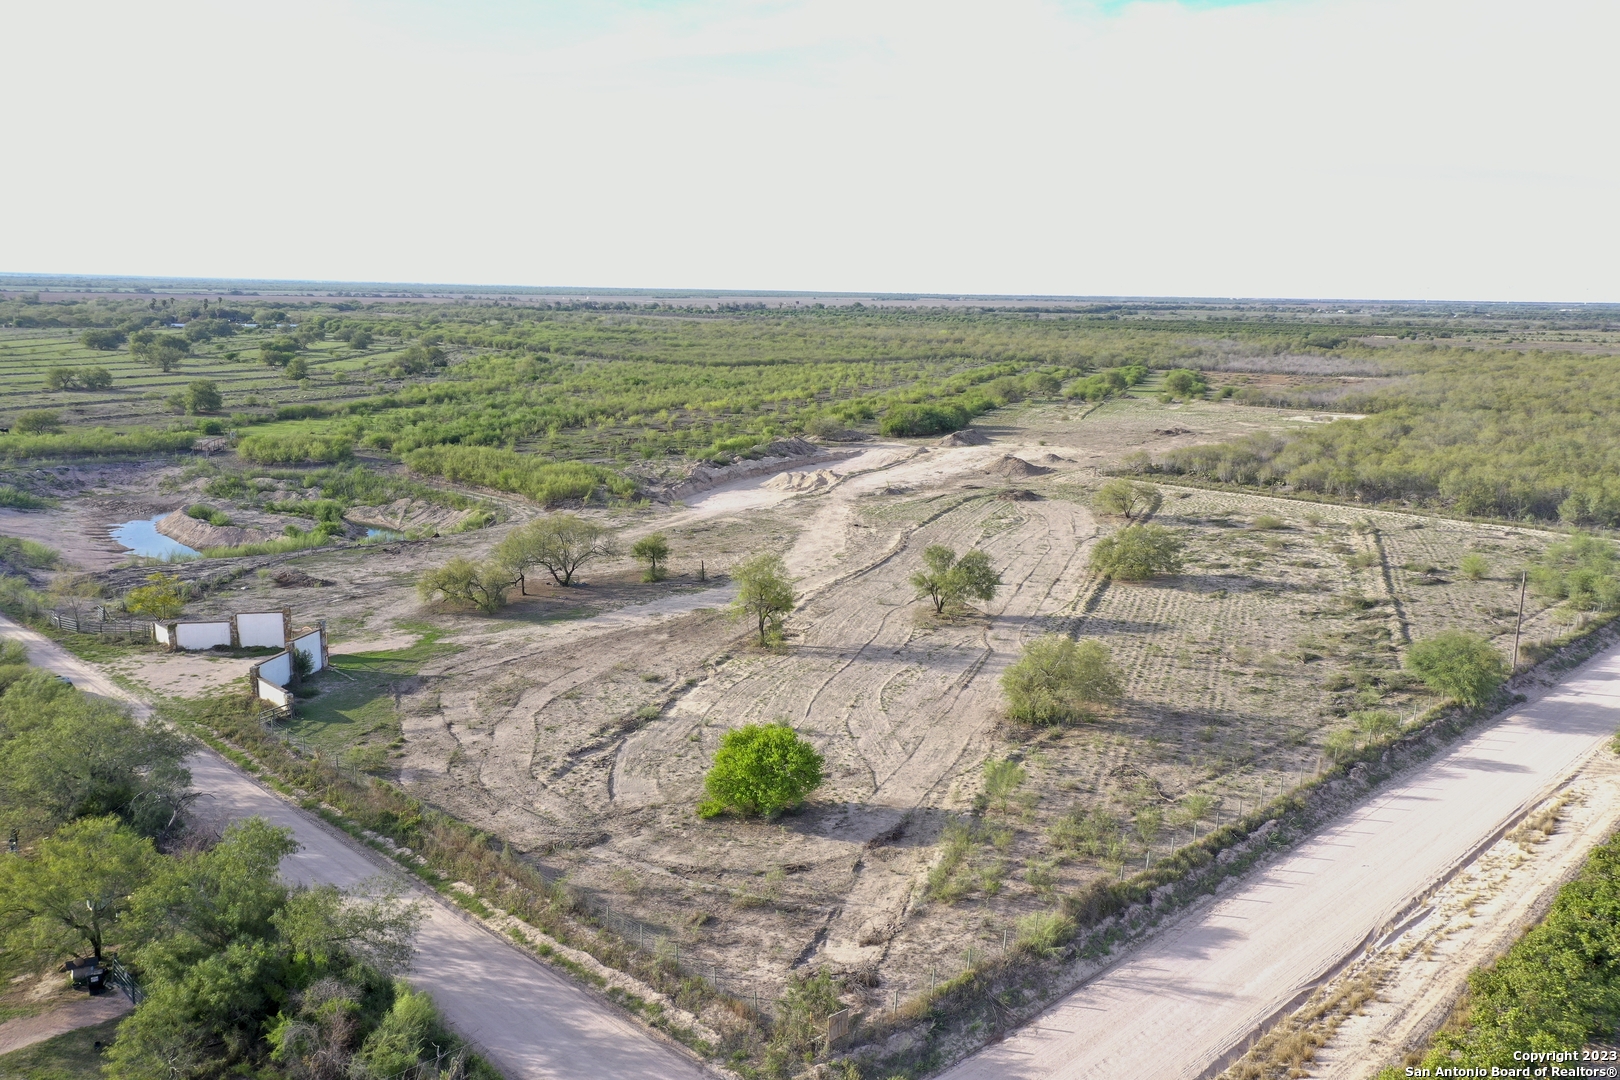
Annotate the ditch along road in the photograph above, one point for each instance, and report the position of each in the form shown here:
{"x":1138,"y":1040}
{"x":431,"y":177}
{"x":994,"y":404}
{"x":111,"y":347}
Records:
{"x":528,"y":1021}
{"x":1187,"y":999}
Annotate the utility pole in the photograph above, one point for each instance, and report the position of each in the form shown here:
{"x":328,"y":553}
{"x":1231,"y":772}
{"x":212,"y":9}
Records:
{"x":1524,"y":577}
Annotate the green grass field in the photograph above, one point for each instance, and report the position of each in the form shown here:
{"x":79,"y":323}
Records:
{"x":139,"y":390}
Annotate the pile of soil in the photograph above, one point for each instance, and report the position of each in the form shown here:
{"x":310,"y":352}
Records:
{"x":965,"y":437}
{"x":199,"y":534}
{"x":1014,"y":468}
{"x":403,"y":515}
{"x":1174,"y":431}
{"x":1018,"y":495}
{"x":803,"y":481}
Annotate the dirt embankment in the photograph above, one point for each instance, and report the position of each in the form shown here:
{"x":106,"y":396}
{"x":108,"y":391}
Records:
{"x":779,"y":455}
{"x":406,"y":515}
{"x":201,"y":535}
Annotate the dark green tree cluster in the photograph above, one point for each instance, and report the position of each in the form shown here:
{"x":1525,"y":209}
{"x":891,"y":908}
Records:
{"x":66,"y":755}
{"x":1498,"y":434}
{"x":78,"y":378}
{"x":1557,"y":988}
{"x":162,"y":351}
{"x":1583,"y":572}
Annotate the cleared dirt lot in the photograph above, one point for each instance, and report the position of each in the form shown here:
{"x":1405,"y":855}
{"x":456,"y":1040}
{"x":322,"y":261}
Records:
{"x":577,"y":724}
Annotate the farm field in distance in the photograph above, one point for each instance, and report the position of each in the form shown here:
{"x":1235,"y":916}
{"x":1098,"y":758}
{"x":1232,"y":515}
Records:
{"x":574,"y":725}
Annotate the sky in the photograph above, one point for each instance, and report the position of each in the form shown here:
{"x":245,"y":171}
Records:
{"x":1378,"y":149}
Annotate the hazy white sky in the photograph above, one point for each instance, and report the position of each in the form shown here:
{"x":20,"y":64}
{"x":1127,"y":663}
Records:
{"x":1342,"y":148}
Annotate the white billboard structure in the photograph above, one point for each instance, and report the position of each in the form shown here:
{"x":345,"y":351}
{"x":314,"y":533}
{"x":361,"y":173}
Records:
{"x":246,"y":630}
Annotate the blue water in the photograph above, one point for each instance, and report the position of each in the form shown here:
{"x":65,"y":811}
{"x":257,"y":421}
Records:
{"x":386,"y":534}
{"x":142,"y":538}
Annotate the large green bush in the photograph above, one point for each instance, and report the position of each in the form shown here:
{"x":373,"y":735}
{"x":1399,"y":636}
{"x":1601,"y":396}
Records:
{"x":545,"y":482}
{"x":1059,"y":679}
{"x":760,"y":769}
{"x":1458,"y":664}
{"x":294,"y":449}
{"x":1137,"y":553}
{"x":903,"y":420}
{"x":1557,"y":988}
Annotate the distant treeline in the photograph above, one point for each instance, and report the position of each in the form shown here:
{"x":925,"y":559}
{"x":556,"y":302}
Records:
{"x":1530,"y":435}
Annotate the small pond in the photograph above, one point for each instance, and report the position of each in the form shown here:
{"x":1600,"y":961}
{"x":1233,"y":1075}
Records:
{"x":384,"y":534}
{"x":142,"y":538}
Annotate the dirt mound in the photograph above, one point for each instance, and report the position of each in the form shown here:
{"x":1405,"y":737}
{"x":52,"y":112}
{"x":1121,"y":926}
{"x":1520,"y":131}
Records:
{"x":201,"y":535}
{"x":1014,"y":467}
{"x":1054,"y":459}
{"x":1174,"y":431}
{"x":404,"y":515}
{"x":818,"y":480}
{"x":1018,"y":495}
{"x":965,"y":437}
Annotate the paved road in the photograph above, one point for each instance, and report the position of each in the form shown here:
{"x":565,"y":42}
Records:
{"x":529,"y":1021}
{"x":1175,"y":1007}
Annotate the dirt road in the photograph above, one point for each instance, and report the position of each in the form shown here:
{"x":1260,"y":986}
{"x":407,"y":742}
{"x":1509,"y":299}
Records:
{"x":527,"y":1020}
{"x":1178,"y":1005}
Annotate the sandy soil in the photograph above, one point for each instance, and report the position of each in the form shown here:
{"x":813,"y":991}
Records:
{"x":1471,"y":920}
{"x":1174,"y":1007}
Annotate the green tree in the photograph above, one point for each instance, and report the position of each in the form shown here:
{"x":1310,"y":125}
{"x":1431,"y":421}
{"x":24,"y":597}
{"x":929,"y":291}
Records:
{"x":199,"y":902}
{"x":291,"y":960}
{"x":1060,"y":679}
{"x":297,"y":368}
{"x":74,"y":891}
{"x":202,"y":396}
{"x":761,"y":769}
{"x":1128,"y":499}
{"x":105,"y":340}
{"x":38,"y":422}
{"x":1458,"y":664}
{"x":949,"y":581}
{"x":654,"y":551}
{"x":1185,"y":383}
{"x":163,"y":351}
{"x":1137,"y":553}
{"x":162,"y":597}
{"x":1474,"y":566}
{"x":764,"y":594}
{"x":561,"y":543}
{"x":62,"y":378}
{"x":1583,"y":571}
{"x":462,"y":581}
{"x":65,"y":754}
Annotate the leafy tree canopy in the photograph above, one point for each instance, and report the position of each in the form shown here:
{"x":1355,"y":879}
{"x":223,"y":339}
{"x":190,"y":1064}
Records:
{"x":1059,"y":679}
{"x":761,"y":769}
{"x":1137,"y":553}
{"x":1458,"y":664}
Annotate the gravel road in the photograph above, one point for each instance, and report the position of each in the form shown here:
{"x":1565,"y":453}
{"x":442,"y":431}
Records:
{"x":527,"y":1020}
{"x":1178,"y":1005}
